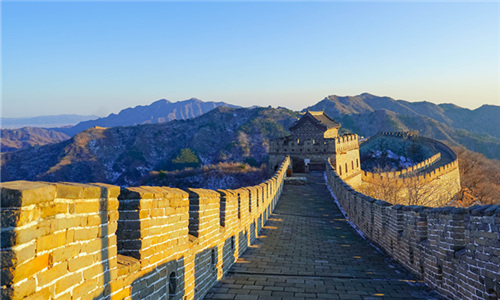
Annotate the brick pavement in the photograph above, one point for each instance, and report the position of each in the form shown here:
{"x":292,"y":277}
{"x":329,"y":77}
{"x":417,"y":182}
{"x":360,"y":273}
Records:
{"x":307,"y":250}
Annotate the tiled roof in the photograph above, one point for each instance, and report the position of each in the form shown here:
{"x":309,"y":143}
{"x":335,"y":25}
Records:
{"x":320,"y":119}
{"x":324,"y":119}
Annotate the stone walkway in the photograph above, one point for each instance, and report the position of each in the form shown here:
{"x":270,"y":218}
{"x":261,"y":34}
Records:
{"x":307,"y":250}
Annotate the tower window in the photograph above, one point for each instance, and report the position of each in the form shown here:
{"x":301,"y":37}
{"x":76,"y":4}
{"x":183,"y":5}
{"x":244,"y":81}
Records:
{"x":172,"y":285}
{"x":213,"y":257}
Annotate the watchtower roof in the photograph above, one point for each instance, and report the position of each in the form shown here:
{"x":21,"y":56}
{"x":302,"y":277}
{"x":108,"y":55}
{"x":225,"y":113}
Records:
{"x":320,"y":118}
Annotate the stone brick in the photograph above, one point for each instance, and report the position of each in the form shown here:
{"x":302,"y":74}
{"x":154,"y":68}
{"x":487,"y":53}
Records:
{"x":24,"y":193}
{"x":73,"y":190}
{"x":65,"y":253}
{"x":11,"y":237}
{"x":41,"y":294}
{"x":121,"y":294}
{"x":68,"y":222}
{"x":81,"y":262}
{"x":93,"y":271}
{"x":86,"y":234}
{"x":108,"y":190}
{"x":93,"y":246}
{"x":10,"y":218}
{"x":52,"y":208}
{"x":94,"y":220}
{"x":54,"y":272}
{"x":65,"y":296}
{"x":85,"y":207}
{"x":85,"y":288}
{"x":134,"y":193}
{"x":66,"y":282}
{"x":54,"y":240}
{"x":18,"y":255}
{"x":113,"y":216}
{"x":26,"y":270}
{"x":70,"y":236}
{"x":112,"y":227}
{"x":24,"y":289}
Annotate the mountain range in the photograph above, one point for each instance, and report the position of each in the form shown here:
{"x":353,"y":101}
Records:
{"x":366,"y":114}
{"x":127,"y":155}
{"x":158,"y":112}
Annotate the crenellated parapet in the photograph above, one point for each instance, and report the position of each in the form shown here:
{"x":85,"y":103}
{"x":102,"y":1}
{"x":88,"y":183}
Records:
{"x":96,"y":241}
{"x":453,"y":250}
{"x":346,"y":142}
{"x":436,"y":179}
{"x":297,"y":146}
{"x":405,"y":172}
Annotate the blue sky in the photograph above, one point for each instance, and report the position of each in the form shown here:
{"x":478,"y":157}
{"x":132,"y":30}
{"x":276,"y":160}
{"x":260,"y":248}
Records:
{"x":98,"y":57}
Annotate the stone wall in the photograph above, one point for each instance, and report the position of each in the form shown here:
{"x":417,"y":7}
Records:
{"x":290,"y":146}
{"x":346,"y":142}
{"x":344,"y":149}
{"x":347,"y":159}
{"x":453,"y":250}
{"x":405,"y":172}
{"x":72,"y":241}
{"x":436,"y":179}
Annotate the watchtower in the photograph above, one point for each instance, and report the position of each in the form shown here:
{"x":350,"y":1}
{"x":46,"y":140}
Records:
{"x":313,"y":139}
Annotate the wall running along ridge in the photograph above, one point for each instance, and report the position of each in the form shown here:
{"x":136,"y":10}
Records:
{"x":405,"y":172}
{"x":437,"y":176}
{"x":453,"y":250}
{"x":95,"y":241}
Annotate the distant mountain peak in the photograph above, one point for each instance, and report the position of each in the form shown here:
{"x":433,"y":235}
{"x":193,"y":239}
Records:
{"x":161,"y":101}
{"x":365,"y":114}
{"x":160,"y":111}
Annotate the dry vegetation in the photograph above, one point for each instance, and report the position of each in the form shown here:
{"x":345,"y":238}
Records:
{"x":411,"y":191}
{"x":479,"y":180}
{"x":217,"y":176}
{"x":479,"y":177}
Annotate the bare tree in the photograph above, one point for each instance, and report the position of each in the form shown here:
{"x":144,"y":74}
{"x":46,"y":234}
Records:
{"x":479,"y":175}
{"x":408,"y":191}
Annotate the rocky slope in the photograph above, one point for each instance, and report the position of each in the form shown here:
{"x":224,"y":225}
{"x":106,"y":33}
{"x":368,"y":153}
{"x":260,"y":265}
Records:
{"x":366,"y":114}
{"x":127,"y":155}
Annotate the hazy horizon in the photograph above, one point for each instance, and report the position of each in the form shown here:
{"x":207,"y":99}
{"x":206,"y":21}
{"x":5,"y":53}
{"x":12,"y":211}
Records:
{"x":174,"y":101}
{"x":100,"y":57}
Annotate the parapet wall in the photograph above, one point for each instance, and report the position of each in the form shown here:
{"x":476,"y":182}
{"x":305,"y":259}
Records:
{"x":437,"y":145}
{"x":67,"y":240}
{"x":433,"y":182}
{"x":405,"y":172}
{"x":453,"y":250}
{"x":288,"y":146}
{"x":346,"y":142}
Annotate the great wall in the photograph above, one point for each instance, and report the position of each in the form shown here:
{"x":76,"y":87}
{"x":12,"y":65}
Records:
{"x":454,"y":250}
{"x":97,"y":241}
{"x":436,"y":178}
